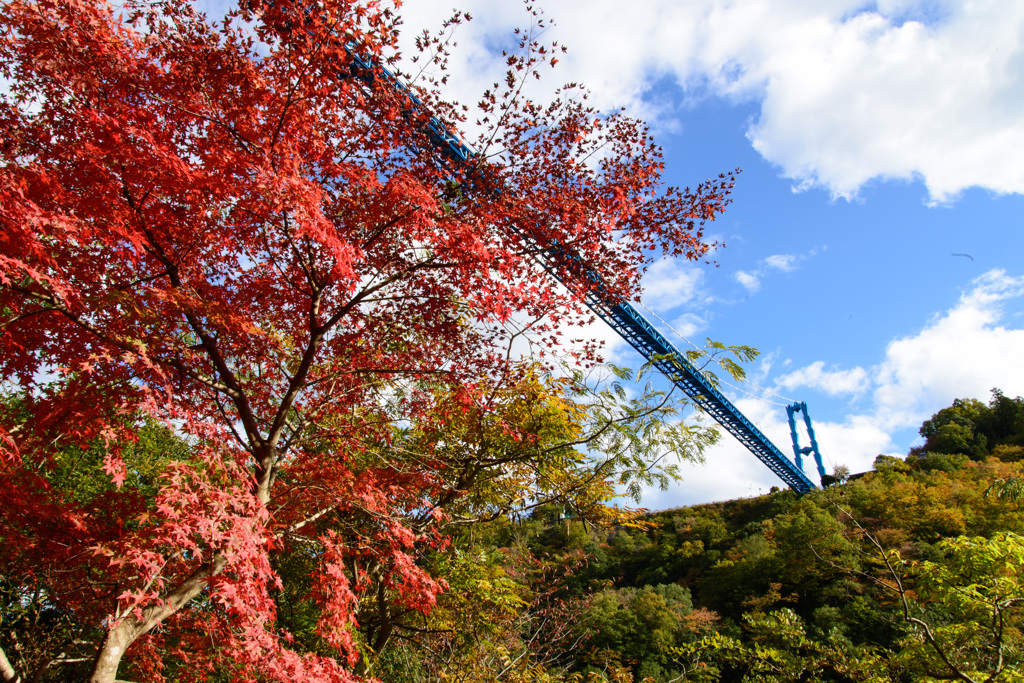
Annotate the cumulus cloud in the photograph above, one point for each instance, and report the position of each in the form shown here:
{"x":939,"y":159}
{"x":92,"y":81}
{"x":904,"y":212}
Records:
{"x":784,"y":262}
{"x":671,"y":282}
{"x":689,"y":324}
{"x":832,"y":382}
{"x":732,"y":472}
{"x":750,"y":281}
{"x":965,"y":352}
{"x":850,"y":100}
{"x":962,"y":352}
{"x":848,"y":91}
{"x":854,"y":442}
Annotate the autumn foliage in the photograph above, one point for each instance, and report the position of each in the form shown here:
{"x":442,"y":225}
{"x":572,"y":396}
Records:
{"x":214,"y":237}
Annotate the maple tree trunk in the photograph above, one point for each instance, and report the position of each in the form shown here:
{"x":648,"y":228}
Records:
{"x":108,"y":658}
{"x":121,"y":635}
{"x":6,"y":670}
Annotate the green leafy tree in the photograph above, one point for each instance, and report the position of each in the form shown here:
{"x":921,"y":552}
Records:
{"x":777,"y":649}
{"x":967,"y":610}
{"x":642,"y":626}
{"x":957,"y":429}
{"x":971,"y":428}
{"x":808,"y":542}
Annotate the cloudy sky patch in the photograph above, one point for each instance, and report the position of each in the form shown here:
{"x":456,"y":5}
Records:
{"x":847,"y":92}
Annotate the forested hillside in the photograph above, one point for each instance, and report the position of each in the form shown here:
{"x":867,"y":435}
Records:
{"x":909,"y":572}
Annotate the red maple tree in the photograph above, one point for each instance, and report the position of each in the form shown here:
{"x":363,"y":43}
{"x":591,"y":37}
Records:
{"x":220,"y":229}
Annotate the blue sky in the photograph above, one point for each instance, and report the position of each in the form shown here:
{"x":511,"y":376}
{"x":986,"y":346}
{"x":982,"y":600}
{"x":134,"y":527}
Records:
{"x":877,"y":140}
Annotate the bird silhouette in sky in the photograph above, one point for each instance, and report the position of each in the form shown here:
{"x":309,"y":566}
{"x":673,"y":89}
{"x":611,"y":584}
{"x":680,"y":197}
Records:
{"x":967,"y":255}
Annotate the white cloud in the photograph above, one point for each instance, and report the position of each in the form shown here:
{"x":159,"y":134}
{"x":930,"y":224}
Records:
{"x":689,"y":324}
{"x":730,"y":471}
{"x":963,"y":353}
{"x":750,"y":281}
{"x":672,"y":282}
{"x":848,"y":91}
{"x":855,"y":442}
{"x":833,"y":382}
{"x":844,"y":101}
{"x":784,"y":262}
